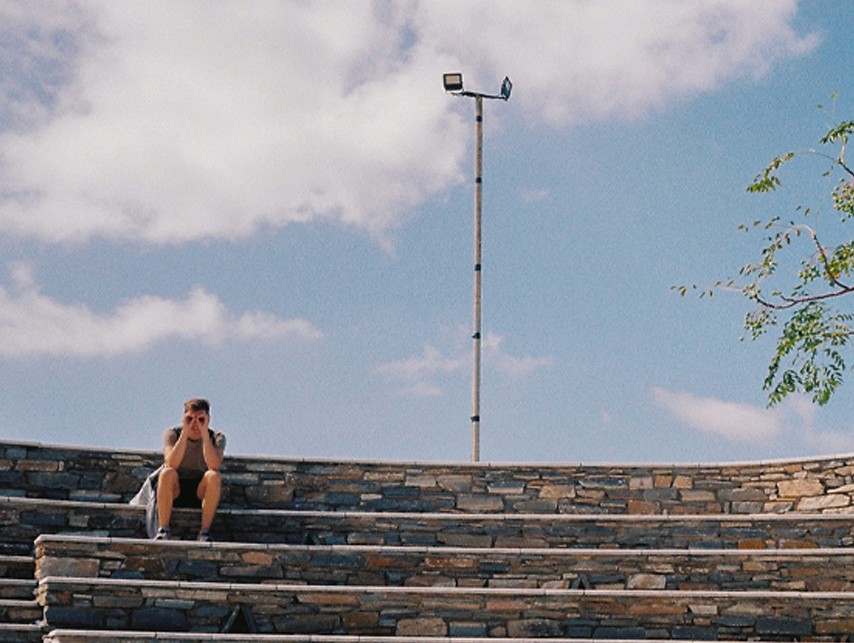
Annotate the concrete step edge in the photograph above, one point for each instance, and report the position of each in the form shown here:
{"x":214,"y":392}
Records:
{"x":788,"y":552}
{"x":45,"y":584}
{"x":18,"y":602}
{"x":310,"y":638}
{"x":458,"y":517}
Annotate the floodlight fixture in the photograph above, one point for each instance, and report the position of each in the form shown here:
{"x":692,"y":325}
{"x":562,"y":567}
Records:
{"x":453,"y":82}
{"x":506,"y":88}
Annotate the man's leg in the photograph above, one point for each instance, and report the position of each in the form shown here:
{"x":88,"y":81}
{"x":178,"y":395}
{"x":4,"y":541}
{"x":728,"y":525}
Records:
{"x":209,"y":492}
{"x":167,"y":490}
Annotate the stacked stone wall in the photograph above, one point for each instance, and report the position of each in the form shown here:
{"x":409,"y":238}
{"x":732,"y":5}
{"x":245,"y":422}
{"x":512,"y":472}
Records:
{"x":121,"y":604}
{"x":751,"y":551}
{"x":820,"y":485}
{"x":816,"y":570}
{"x":24,"y":519}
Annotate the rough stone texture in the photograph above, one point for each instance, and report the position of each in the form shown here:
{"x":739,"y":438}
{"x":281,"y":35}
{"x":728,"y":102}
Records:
{"x":23,"y":519}
{"x":625,"y":614}
{"x":426,"y":551}
{"x":47,"y":471}
{"x":557,"y":568}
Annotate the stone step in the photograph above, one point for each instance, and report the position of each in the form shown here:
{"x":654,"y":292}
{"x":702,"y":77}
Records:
{"x":724,"y":569}
{"x":20,"y":633}
{"x":17,"y":604}
{"x":803,"y":485}
{"x":19,"y":611}
{"x":17,"y":588}
{"x":84,"y":636}
{"x":16,"y":566}
{"x":126,"y":604}
{"x":22,"y":520}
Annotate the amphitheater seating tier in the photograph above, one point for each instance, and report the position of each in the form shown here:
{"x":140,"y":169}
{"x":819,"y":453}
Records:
{"x":820,"y":569}
{"x":348,"y":551}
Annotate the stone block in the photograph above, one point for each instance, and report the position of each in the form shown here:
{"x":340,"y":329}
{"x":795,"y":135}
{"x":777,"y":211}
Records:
{"x":603,"y":482}
{"x":37,"y":465}
{"x":361,"y":621}
{"x":258,"y":572}
{"x":641,"y":482}
{"x":429,"y":626}
{"x":384,"y":476}
{"x":306,"y":623}
{"x":642,"y":507}
{"x":799,"y":488}
{"x":697,"y":632}
{"x":257,"y":558}
{"x":77,"y":567}
{"x":466,"y":629}
{"x":422,"y":481}
{"x":789,"y":627}
{"x":646,"y":581}
{"x":820,"y":503}
{"x":660,"y":481}
{"x":533,"y":628}
{"x":683,"y":482}
{"x":479,"y":503}
{"x":557,"y":491}
{"x":589,"y":496}
{"x":747,"y":507}
{"x":835,"y":626}
{"x":397,"y":492}
{"x":541,"y":506}
{"x":455,"y":483}
{"x":661,"y":494}
{"x":694,"y":495}
{"x":703,"y":609}
{"x":267,"y":494}
{"x":63,"y":616}
{"x":53,"y":480}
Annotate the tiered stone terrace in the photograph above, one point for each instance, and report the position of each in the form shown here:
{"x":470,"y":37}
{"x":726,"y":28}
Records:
{"x":418,"y":552}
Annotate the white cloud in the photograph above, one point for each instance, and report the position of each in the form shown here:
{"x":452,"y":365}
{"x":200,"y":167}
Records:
{"x":575,"y":61}
{"x":166,"y":121}
{"x":430,"y":362}
{"x":732,"y":421}
{"x":32,"y":324}
{"x":792,"y":422}
{"x":820,"y":440}
{"x":417,"y":375}
{"x":190,"y":120}
{"x":507,"y":364}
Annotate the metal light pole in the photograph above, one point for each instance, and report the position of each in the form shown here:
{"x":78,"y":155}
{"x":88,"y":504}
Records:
{"x":454,"y":84}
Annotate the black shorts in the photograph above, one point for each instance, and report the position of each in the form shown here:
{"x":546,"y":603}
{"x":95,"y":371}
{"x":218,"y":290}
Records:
{"x":187,"y":497}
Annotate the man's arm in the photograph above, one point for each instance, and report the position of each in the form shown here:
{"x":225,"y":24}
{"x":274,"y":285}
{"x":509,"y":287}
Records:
{"x":212,"y":455}
{"x":173,"y":455}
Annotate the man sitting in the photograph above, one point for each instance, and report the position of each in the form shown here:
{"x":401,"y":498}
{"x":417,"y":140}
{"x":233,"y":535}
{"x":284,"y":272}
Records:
{"x":190,"y":477}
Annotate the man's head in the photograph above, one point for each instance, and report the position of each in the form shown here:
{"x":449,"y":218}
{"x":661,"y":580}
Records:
{"x":196,"y":417}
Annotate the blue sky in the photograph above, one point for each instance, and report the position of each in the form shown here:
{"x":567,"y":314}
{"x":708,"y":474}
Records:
{"x":270,"y":204}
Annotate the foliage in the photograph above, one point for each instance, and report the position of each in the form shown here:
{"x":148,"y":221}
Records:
{"x":809,"y":353}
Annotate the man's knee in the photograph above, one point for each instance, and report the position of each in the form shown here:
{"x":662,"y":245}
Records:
{"x":168,"y":479}
{"x":167,"y":473}
{"x":211,"y":483}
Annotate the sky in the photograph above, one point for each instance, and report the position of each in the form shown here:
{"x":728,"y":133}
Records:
{"x":270,"y":205}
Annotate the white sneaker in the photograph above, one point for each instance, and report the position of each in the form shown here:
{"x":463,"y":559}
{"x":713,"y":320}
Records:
{"x":163,"y":534}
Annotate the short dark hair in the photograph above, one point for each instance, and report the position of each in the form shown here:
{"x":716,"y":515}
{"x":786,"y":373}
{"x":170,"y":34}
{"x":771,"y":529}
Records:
{"x":197,"y":404}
